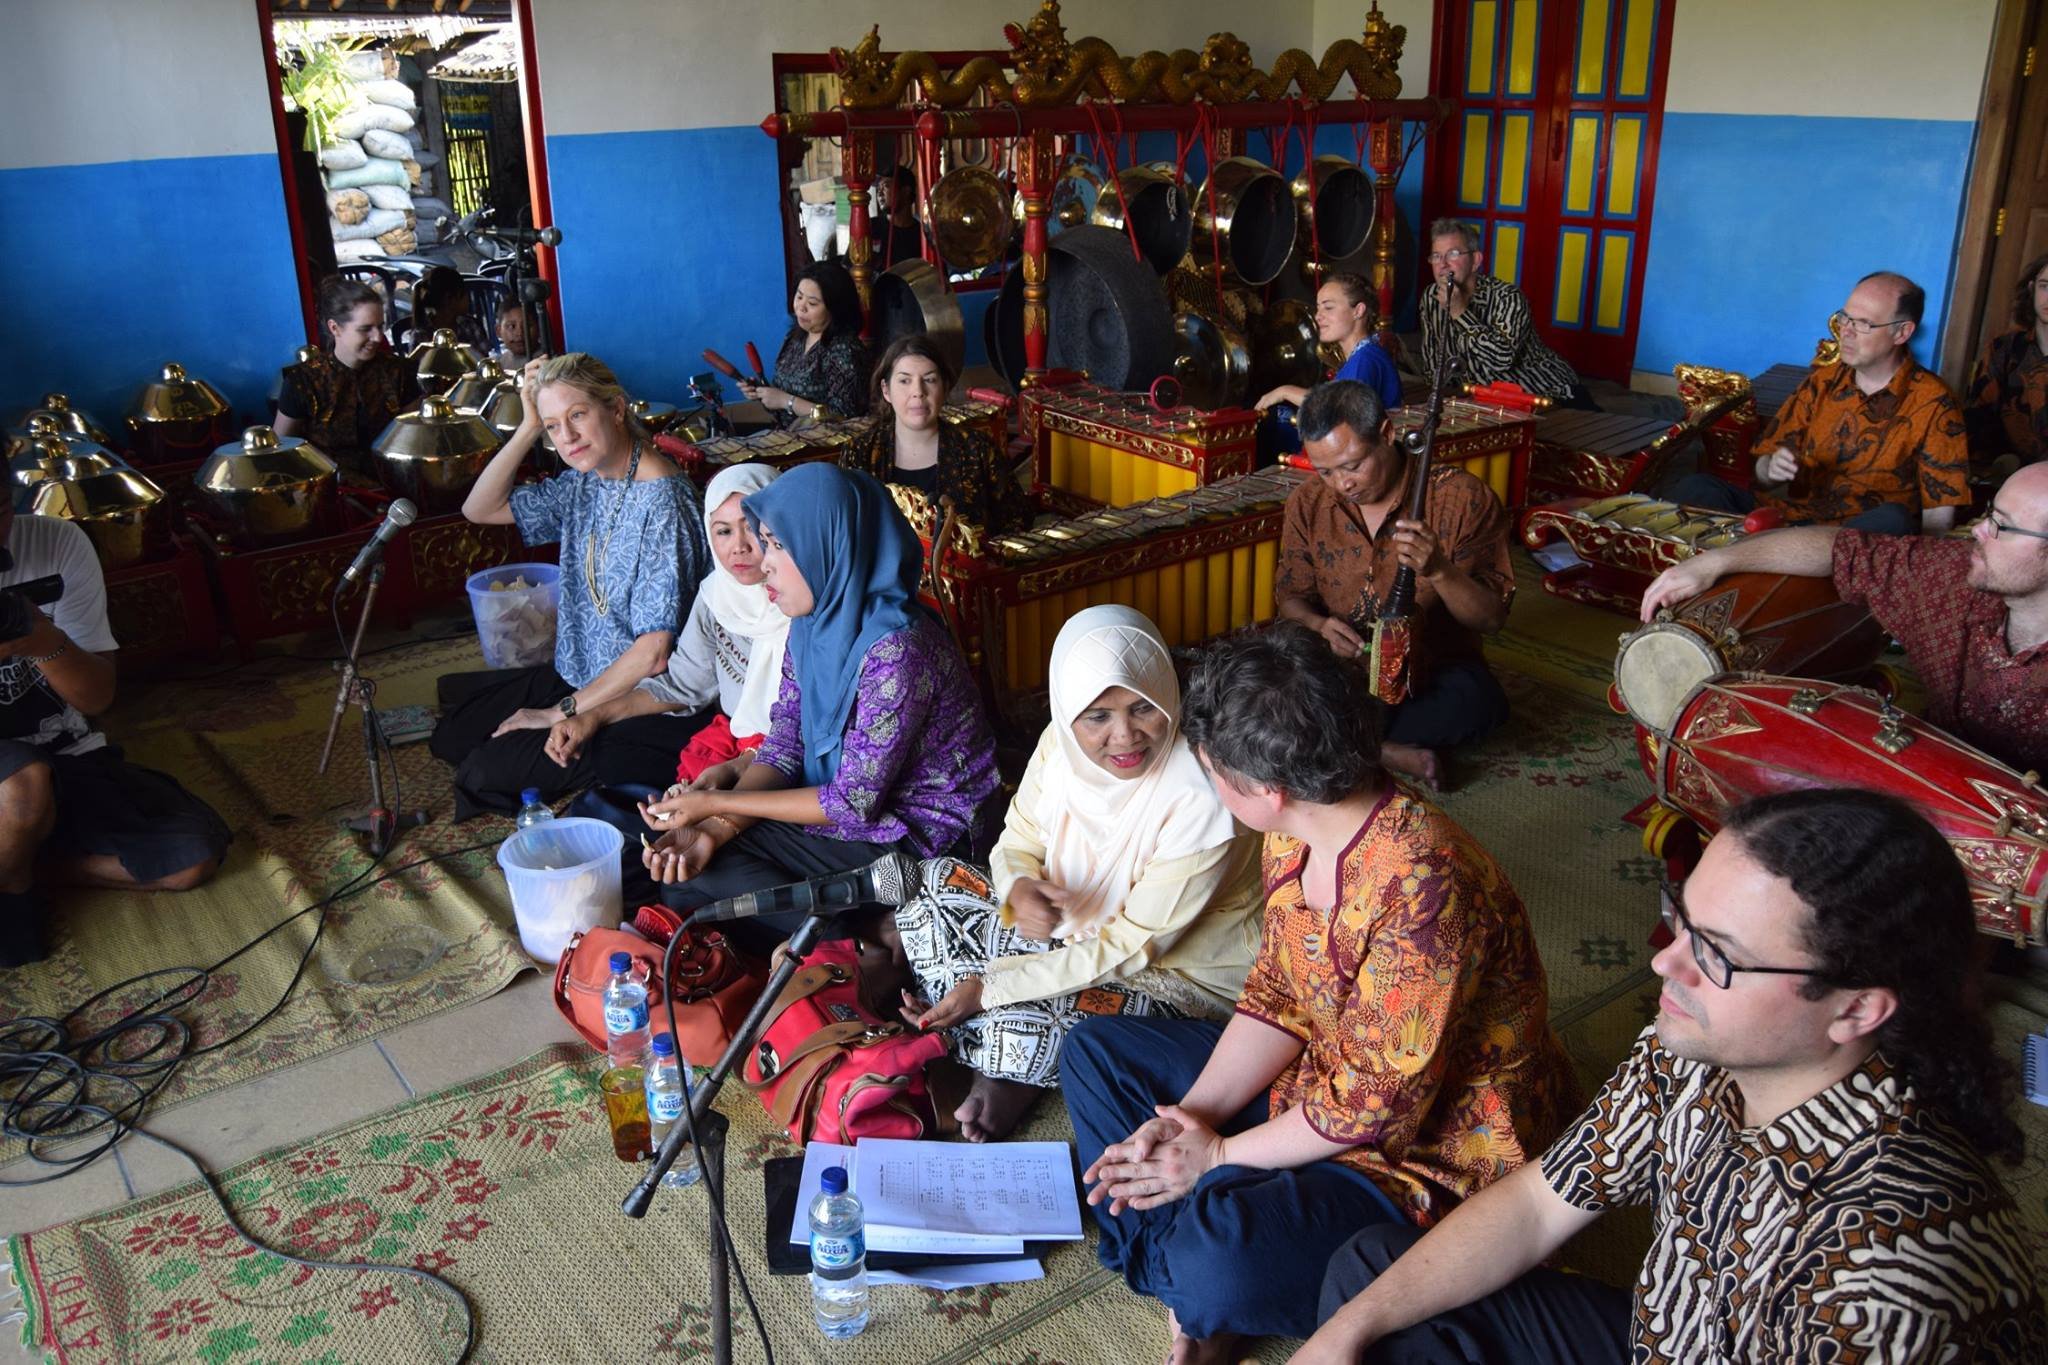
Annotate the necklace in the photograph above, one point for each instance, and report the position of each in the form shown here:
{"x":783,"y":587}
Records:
{"x":595,"y":555}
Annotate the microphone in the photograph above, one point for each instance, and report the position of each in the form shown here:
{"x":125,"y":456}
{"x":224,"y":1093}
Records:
{"x":889,"y":880}
{"x":547,"y":236}
{"x":397,"y":519}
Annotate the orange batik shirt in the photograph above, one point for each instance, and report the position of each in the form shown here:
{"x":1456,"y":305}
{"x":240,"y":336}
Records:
{"x":1903,"y":444}
{"x":1421,"y":1006}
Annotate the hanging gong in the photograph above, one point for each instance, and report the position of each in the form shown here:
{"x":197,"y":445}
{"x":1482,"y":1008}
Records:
{"x":1211,"y":362}
{"x":911,"y":297}
{"x":1284,"y":346}
{"x":1340,"y":212}
{"x":969,"y":217}
{"x":1077,"y":192}
{"x":1159,"y":211}
{"x":1107,"y":313}
{"x":1245,"y":215}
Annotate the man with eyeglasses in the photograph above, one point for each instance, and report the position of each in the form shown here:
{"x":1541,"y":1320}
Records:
{"x":1972,"y":614}
{"x":1872,"y":441}
{"x":1811,"y":1119}
{"x":1485,"y":321}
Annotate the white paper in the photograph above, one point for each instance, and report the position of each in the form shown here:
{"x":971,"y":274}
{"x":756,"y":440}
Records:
{"x":1009,"y":1189}
{"x":963,"y":1276}
{"x":820,"y":1157}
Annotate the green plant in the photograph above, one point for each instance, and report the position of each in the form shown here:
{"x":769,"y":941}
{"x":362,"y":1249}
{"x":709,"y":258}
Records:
{"x":315,"y":77}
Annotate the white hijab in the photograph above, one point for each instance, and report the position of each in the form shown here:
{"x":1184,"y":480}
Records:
{"x":1101,"y":831}
{"x":745,"y":612}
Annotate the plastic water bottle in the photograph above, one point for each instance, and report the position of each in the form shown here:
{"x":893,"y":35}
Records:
{"x":665,"y":1099}
{"x":532,"y":810}
{"x":839,"y":1258}
{"x":625,"y":1014}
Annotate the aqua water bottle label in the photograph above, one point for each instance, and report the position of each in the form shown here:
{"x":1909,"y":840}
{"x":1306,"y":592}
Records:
{"x":838,"y":1253}
{"x":623,"y":1017}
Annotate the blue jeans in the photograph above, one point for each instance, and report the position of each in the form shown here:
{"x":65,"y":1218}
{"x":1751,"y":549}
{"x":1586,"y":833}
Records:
{"x":1246,"y":1249}
{"x":1705,"y":490}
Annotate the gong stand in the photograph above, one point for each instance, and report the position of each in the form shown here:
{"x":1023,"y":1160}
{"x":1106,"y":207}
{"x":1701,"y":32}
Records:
{"x":1056,"y":92}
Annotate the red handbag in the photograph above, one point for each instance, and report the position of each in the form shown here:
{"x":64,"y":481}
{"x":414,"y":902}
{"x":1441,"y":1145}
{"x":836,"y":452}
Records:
{"x":714,"y":983}
{"x":829,"y":1070}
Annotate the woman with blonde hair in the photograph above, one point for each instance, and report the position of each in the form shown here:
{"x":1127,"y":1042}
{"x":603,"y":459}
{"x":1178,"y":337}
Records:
{"x":632,"y":552}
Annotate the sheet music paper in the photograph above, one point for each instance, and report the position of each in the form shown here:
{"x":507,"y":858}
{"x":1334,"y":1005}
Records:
{"x":1010,"y":1189}
{"x":820,"y":1157}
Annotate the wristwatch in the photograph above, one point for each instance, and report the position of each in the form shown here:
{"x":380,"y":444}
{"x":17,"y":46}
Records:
{"x":567,"y":706}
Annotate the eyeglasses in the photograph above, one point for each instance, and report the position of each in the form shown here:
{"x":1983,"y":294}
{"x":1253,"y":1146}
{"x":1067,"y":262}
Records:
{"x":1451,"y":257}
{"x":1862,"y":327}
{"x":1712,"y":961}
{"x":2006,"y":528}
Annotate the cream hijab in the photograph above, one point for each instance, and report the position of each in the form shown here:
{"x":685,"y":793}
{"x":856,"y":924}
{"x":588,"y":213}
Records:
{"x":1101,"y":831}
{"x":745,"y":612}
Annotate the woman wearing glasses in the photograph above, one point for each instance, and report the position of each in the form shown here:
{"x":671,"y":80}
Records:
{"x":1972,"y":614}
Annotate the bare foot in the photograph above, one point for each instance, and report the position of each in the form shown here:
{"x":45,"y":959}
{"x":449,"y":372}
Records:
{"x":992,"y":1108}
{"x":1187,"y":1350}
{"x":1424,"y":765}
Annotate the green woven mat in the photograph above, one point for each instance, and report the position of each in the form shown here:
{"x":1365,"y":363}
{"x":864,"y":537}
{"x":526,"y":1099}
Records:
{"x":248,"y":741}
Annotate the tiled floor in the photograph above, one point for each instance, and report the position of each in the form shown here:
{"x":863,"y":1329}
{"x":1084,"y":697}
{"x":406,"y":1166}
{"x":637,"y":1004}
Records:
{"x":287,"y":1106}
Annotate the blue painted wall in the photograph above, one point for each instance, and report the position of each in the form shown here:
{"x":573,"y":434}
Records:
{"x":1764,"y":223}
{"x":113,"y":269}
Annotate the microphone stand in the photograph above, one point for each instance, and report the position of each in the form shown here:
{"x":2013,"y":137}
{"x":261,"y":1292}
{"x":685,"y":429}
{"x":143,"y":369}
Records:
{"x":377,"y":820}
{"x":708,"y":1127}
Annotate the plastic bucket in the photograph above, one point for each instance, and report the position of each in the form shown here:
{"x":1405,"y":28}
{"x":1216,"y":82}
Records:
{"x":565,"y":878}
{"x":516,"y":626}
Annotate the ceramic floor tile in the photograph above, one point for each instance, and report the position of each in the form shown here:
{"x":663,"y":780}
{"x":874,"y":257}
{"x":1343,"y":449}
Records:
{"x":271,"y":1110}
{"x":32,"y":1207}
{"x":457,"y":1045}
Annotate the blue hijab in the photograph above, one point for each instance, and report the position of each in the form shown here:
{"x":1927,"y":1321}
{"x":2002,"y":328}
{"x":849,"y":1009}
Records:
{"x":862,"y":563}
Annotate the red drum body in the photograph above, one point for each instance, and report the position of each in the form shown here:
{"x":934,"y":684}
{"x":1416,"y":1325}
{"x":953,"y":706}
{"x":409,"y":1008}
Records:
{"x":1737,"y":738}
{"x":1746,"y":623}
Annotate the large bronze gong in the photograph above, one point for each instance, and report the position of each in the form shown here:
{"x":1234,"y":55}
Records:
{"x":969,"y":217}
{"x":1245,"y":214}
{"x":1340,"y":212}
{"x":1107,"y":313}
{"x":1161,"y":215}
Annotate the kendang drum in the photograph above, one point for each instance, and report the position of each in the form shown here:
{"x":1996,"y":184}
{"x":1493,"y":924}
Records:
{"x":1746,"y":623}
{"x":1738,"y":738}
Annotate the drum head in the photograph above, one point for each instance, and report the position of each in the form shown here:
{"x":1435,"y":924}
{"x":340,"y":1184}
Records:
{"x":1658,"y":667}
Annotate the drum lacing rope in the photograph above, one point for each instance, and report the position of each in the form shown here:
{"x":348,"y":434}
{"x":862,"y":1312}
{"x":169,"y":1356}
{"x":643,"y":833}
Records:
{"x":1105,"y":152}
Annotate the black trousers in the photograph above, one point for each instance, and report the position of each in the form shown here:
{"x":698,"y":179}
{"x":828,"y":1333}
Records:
{"x":769,"y":854}
{"x":1546,"y":1317}
{"x":490,"y":773}
{"x":1461,"y":703}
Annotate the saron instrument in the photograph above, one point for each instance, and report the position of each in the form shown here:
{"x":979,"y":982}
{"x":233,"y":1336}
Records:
{"x":1740,"y":737}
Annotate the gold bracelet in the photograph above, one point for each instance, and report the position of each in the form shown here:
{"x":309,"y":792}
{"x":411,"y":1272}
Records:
{"x":723,"y":820}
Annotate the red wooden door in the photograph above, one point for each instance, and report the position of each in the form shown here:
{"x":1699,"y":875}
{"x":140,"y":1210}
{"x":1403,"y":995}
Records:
{"x":1553,"y":157}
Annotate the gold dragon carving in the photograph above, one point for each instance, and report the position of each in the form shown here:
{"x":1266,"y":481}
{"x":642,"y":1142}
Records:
{"x":1053,"y":71}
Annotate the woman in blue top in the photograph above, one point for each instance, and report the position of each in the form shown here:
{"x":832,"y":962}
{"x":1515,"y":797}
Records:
{"x":632,"y":553}
{"x":1347,"y":317}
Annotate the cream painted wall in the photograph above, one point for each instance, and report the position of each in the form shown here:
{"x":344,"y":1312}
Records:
{"x":1336,"y":19}
{"x":1891,"y":59}
{"x":610,"y":66}
{"x":89,"y":81}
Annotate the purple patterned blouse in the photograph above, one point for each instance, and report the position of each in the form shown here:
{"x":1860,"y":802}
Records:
{"x":918,"y":760}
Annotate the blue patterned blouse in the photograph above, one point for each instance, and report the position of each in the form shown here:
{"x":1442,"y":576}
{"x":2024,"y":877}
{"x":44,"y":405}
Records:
{"x":646,"y":571}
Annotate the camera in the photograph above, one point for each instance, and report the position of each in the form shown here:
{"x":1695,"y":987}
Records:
{"x":18,"y":602}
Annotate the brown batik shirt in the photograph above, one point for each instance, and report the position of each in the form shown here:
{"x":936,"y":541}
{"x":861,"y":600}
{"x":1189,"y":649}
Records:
{"x":1858,"y":1226}
{"x":2007,"y":407}
{"x":1328,"y":557}
{"x":345,"y":409}
{"x":971,"y":471}
{"x":1903,"y":444}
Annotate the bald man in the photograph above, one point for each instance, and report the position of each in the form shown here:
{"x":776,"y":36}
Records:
{"x":1972,"y":614}
{"x":1872,"y":441}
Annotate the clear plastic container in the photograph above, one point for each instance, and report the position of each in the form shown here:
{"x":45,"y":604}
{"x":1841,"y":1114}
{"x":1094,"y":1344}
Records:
{"x":515,"y":625}
{"x":565,"y":878}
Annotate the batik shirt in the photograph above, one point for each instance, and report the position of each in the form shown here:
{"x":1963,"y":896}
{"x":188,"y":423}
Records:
{"x":1421,"y":1006}
{"x":1903,"y":444}
{"x":345,"y":409}
{"x":1858,"y":1226}
{"x":1329,"y":558}
{"x":834,"y":372}
{"x":2007,"y":407}
{"x":1977,"y":688}
{"x":641,"y":542}
{"x":1495,"y":339}
{"x":971,"y":471}
{"x":918,"y":761}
